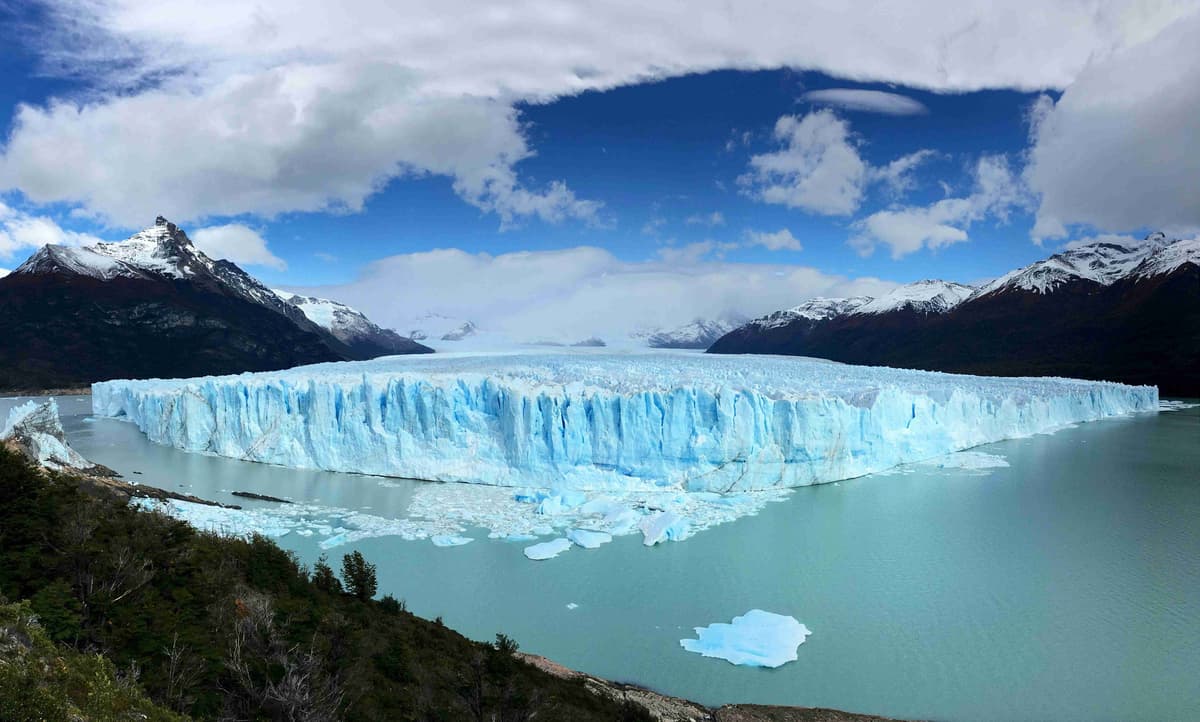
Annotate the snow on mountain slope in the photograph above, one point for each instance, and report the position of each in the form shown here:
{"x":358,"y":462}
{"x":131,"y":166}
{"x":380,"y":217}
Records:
{"x":603,"y":420}
{"x":698,"y":334}
{"x":437,"y":327}
{"x":815,"y":309}
{"x":928,"y":296}
{"x":1103,"y":262}
{"x":1168,"y":258}
{"x":349,"y":326}
{"x":162,"y":251}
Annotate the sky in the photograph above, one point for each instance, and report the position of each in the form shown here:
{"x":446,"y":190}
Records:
{"x":572,"y":169}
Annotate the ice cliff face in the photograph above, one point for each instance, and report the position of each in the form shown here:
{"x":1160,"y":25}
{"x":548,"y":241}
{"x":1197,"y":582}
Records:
{"x":603,"y":420}
{"x":36,"y":431}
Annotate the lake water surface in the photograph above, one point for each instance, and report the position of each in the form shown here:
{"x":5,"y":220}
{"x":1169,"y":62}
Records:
{"x":1065,"y":586}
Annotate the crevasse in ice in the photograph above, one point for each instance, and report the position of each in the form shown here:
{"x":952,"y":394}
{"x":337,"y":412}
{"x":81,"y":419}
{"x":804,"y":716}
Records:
{"x":604,"y":420}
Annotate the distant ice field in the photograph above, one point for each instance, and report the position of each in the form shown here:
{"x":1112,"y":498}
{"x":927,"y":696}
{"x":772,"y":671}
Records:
{"x":604,"y":420}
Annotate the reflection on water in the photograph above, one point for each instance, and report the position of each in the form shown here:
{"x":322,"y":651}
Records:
{"x":1065,"y":585}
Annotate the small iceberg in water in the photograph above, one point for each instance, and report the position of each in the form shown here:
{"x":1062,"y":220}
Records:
{"x":755,"y":639}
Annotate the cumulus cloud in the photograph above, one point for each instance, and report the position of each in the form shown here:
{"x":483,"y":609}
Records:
{"x":21,"y":232}
{"x":1120,"y":150}
{"x":868,"y":101}
{"x":225,"y":107}
{"x":781,"y":240}
{"x":579,"y":292}
{"x":817,"y":169}
{"x":238,"y":243}
{"x":298,"y":137}
{"x":908,"y":229}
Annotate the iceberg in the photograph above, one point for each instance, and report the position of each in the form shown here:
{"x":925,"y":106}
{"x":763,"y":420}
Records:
{"x":755,"y":639}
{"x":604,"y":420}
{"x":449,"y":540}
{"x":589,"y":539}
{"x":547,"y":550}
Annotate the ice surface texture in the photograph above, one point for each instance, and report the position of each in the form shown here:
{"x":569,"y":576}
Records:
{"x":755,"y":639}
{"x":604,"y":420}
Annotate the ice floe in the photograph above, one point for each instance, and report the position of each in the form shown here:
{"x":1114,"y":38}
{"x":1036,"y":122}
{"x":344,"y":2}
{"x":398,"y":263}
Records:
{"x":547,"y":550}
{"x":755,"y":639}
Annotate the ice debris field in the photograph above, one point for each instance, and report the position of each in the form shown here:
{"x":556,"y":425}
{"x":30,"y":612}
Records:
{"x":604,"y":421}
{"x":755,"y":639}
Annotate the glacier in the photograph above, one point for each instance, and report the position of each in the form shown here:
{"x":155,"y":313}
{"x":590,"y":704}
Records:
{"x":604,"y":420}
{"x":755,"y":639}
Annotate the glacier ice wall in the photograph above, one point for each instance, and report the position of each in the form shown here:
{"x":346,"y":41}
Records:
{"x":604,"y":420}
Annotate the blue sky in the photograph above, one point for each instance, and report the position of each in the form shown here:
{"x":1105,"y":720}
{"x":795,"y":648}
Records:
{"x":692,"y":148}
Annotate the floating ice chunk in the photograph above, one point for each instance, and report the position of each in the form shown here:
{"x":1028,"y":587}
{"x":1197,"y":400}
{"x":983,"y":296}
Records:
{"x":572,"y":605}
{"x":449,"y":540}
{"x":589,"y":539}
{"x":604,"y":421}
{"x":663,"y":526}
{"x":1174,"y":405}
{"x":547,"y":550}
{"x":755,"y":639}
{"x":968,"y":460}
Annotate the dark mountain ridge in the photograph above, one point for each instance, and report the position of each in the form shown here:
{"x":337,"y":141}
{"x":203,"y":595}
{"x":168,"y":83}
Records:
{"x":151,"y":306}
{"x":1128,"y":313}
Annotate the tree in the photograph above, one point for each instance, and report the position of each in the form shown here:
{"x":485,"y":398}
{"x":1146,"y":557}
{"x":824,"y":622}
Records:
{"x":359,"y":575}
{"x":324,"y":578}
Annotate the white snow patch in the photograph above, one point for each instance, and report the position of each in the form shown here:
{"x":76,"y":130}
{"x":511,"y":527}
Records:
{"x":755,"y":639}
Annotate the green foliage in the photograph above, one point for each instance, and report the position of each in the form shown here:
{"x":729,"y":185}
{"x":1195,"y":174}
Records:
{"x":40,"y":680}
{"x":324,"y":578}
{"x":359,"y":575}
{"x":59,"y":611}
{"x":229,"y":628}
{"x":390,"y":605}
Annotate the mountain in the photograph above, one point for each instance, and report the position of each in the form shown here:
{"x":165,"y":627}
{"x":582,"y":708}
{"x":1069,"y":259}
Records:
{"x":699,"y":334}
{"x":149,"y":306}
{"x":1105,"y":310}
{"x":365,"y":338}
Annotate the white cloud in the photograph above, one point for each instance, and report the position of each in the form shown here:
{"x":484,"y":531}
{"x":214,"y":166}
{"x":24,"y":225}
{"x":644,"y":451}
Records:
{"x":716,"y":218}
{"x":870,"y":101}
{"x":781,"y":240}
{"x":22,"y":232}
{"x":818,"y":169}
{"x":215,"y":107}
{"x":908,"y":229}
{"x":1120,"y":150}
{"x":580,"y":292}
{"x":298,"y":137}
{"x":238,"y":243}
{"x":4,"y":272}
{"x":898,"y":174}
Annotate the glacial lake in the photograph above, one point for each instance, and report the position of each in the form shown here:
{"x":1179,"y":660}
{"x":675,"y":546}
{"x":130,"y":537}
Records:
{"x":1064,"y":586}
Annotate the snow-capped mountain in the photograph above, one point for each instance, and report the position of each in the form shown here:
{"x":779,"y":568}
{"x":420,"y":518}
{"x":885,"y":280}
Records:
{"x":1099,"y":310}
{"x":349,"y":326}
{"x":152,"y":305}
{"x":699,"y":334}
{"x":437,"y":327}
{"x":921,"y":297}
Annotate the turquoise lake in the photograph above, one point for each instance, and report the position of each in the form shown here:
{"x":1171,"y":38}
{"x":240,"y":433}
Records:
{"x":1065,"y":586}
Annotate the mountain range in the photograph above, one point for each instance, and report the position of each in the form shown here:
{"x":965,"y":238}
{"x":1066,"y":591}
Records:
{"x":1121,"y":311}
{"x":156,"y":306}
